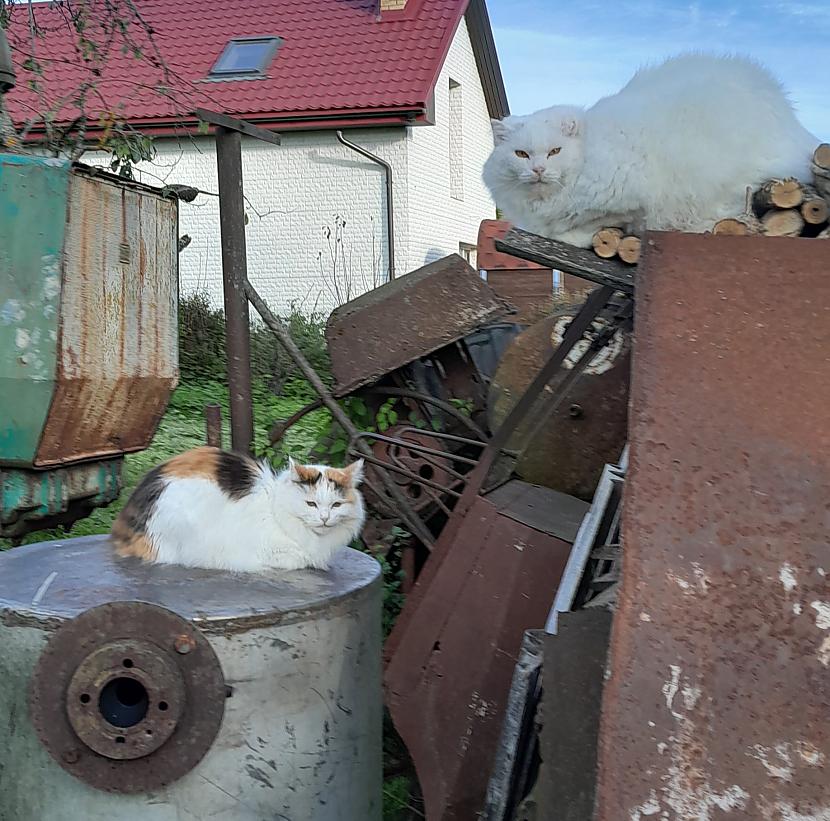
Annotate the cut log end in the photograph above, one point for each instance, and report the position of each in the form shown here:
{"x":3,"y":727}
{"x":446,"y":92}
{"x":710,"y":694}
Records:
{"x":629,"y":250}
{"x":821,"y":156}
{"x":814,"y":209}
{"x":738,"y":227}
{"x":787,"y":223}
{"x":778,"y":194}
{"x":606,"y":242}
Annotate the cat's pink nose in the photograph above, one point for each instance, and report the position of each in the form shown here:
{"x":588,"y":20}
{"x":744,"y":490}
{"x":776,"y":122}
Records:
{"x":538,"y":170}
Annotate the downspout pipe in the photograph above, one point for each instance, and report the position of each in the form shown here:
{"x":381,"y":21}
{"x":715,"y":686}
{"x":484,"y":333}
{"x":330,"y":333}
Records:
{"x":390,"y":207}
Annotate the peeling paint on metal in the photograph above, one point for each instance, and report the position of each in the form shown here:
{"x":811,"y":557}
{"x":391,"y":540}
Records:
{"x":117,"y":358}
{"x":787,"y":576}
{"x":725,"y":527}
{"x":822,"y":614}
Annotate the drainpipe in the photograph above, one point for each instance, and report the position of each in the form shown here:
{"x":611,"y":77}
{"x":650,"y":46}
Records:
{"x":390,"y":208}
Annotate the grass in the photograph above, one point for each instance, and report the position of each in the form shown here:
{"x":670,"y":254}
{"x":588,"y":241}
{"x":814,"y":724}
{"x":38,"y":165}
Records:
{"x":183,"y":427}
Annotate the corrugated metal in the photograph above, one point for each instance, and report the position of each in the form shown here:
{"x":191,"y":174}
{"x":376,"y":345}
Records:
{"x":719,"y":693}
{"x":117,"y":343}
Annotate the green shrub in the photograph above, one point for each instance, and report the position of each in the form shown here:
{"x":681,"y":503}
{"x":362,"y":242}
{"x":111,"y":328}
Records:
{"x":202,"y":345}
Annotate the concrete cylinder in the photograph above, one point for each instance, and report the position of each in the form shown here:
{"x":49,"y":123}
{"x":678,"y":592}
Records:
{"x":300,"y":738}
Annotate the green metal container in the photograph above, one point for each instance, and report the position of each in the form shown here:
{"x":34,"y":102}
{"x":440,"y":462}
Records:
{"x":88,"y":334}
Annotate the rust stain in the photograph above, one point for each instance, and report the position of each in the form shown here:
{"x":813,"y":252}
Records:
{"x":410,"y":317}
{"x":111,"y":390}
{"x":452,"y":653}
{"x":719,"y":692}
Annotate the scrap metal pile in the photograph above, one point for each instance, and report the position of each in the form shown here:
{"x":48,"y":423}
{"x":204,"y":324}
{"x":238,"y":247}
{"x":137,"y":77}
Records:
{"x":502,"y":422}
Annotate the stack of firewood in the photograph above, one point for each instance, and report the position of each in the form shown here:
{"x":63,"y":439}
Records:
{"x":779,"y":208}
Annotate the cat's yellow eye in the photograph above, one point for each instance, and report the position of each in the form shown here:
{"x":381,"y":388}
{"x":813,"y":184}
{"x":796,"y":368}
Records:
{"x":312,"y":504}
{"x":337,"y":504}
{"x":523,"y":154}
{"x":554,"y":151}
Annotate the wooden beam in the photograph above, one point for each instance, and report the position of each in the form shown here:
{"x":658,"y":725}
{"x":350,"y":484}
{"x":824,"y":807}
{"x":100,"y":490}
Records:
{"x":232,"y":124}
{"x":580,"y":262}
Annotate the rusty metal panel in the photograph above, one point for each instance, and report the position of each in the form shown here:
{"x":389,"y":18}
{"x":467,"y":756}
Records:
{"x":719,"y":695}
{"x":117,"y":341}
{"x":453,"y":654}
{"x":406,"y":319}
{"x":589,"y":430}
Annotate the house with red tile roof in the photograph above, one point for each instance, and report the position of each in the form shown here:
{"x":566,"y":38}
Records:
{"x":412,"y":82}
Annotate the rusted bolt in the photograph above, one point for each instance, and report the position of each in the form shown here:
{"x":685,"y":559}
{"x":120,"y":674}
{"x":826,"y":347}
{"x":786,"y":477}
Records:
{"x":184,"y":644}
{"x":575,"y":411}
{"x":71,"y":756}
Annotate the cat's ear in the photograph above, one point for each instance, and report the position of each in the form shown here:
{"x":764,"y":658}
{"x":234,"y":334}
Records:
{"x":501,"y":131}
{"x":571,"y":127}
{"x":354,"y":472}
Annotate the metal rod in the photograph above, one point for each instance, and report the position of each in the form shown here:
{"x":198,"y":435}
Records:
{"x":234,"y":275}
{"x":408,"y":393}
{"x":416,"y":527}
{"x":418,"y":448}
{"x":390,"y":205}
{"x":449,"y":436}
{"x":280,"y":427}
{"x":213,"y":425}
{"x":373,"y":460}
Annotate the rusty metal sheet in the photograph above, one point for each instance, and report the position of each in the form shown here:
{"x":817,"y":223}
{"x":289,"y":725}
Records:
{"x":409,"y":318}
{"x":489,"y":579}
{"x":589,"y":430}
{"x":117,"y":339}
{"x":719,"y":693}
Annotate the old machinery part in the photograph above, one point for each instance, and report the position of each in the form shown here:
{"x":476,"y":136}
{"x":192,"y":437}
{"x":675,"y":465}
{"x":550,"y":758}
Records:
{"x":127,"y":696}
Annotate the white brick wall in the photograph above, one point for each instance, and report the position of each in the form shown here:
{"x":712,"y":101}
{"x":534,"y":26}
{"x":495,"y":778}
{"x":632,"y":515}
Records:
{"x":440,"y":222}
{"x":300,"y":188}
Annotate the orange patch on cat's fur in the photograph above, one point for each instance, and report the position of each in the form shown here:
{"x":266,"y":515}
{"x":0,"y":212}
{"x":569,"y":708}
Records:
{"x":196,"y":463}
{"x":343,"y":478}
{"x":127,"y":543}
{"x":307,"y":474}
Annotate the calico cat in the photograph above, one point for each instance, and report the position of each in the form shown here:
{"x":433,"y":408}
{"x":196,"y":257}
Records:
{"x":213,"y":509}
{"x":675,"y":149}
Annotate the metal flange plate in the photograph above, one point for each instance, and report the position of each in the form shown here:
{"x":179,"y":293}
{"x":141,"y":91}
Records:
{"x":127,"y":696}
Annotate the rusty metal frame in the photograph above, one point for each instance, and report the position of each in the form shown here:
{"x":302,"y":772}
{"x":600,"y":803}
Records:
{"x":229,"y":133}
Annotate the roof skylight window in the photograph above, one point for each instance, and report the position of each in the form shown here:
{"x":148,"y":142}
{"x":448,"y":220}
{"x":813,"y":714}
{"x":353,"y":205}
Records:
{"x":246,"y":57}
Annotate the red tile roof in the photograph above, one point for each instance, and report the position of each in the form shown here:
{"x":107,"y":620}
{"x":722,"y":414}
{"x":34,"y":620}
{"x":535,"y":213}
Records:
{"x":340,"y":60}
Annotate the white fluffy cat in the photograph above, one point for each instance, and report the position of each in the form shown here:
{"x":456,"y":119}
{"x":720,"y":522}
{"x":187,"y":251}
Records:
{"x":209,"y":508}
{"x":675,"y":149}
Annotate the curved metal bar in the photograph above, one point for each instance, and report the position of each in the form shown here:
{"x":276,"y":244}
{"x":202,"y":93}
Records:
{"x":407,"y":393}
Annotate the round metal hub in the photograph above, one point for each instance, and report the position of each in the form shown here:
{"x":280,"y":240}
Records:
{"x":125,"y":699}
{"x":127,"y":696}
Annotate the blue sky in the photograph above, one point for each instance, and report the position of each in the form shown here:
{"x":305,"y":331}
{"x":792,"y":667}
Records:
{"x":556,"y":51}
